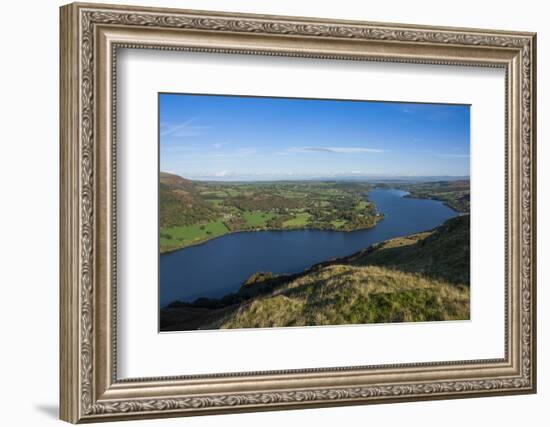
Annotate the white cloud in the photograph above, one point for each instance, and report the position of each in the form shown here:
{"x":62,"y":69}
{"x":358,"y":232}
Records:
{"x":339,"y":150}
{"x":454,"y":155}
{"x":182,"y":130}
{"x":245,"y":152}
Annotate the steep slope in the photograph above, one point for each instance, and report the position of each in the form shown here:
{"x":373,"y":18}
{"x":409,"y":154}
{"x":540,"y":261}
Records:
{"x":180,"y":202}
{"x":443,"y":253}
{"x":344,"y":294}
{"x":423,"y":277}
{"x":177,"y":181}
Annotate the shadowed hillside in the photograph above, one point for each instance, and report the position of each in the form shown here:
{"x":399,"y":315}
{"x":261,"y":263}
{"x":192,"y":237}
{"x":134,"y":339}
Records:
{"x":455,"y":194}
{"x":192,"y":212}
{"x":421,"y":277}
{"x":180,"y":202}
{"x":442,"y":254}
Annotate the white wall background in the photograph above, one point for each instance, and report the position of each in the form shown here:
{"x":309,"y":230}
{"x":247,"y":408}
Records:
{"x":29,"y":170}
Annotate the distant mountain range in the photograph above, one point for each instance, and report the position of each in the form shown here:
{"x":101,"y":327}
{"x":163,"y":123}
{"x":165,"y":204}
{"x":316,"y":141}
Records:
{"x":351,"y":178}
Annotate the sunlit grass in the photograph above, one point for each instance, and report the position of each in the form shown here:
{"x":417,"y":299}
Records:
{"x":299,"y":220}
{"x":177,"y":237}
{"x":338,"y":295}
{"x":417,"y":278}
{"x":257,"y":218}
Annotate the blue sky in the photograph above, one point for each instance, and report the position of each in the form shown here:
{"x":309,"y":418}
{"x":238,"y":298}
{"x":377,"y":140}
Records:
{"x":250,"y":138}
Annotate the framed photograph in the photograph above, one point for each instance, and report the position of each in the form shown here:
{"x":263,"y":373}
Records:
{"x":265,"y":212}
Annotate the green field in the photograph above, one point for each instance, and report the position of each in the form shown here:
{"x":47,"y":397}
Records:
{"x":300,"y":220}
{"x":361,"y":205}
{"x":258,"y":218}
{"x":176,"y":237}
{"x":337,"y":224}
{"x":194,"y":211}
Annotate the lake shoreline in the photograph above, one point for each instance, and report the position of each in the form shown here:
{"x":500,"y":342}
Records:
{"x":231,"y":261}
{"x":414,"y":196}
{"x":292,"y":276}
{"x":210,"y":313}
{"x":379,"y":218}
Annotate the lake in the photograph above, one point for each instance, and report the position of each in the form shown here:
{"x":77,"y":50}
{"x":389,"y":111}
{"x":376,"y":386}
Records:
{"x":220,"y":266}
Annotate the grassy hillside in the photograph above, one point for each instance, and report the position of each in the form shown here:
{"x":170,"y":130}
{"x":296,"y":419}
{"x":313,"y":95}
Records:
{"x":345,"y":294}
{"x":192,"y":212}
{"x":443,"y":253}
{"x":455,"y":194}
{"x":422,"y":277}
{"x":181,"y":203}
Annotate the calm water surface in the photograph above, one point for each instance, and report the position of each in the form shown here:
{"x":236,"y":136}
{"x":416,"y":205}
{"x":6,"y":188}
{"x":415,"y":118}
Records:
{"x":220,"y":266}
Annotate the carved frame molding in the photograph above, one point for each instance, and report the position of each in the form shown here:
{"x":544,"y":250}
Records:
{"x":90,"y":37}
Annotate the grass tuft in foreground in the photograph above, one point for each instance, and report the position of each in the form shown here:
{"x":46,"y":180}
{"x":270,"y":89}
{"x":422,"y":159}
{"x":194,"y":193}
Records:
{"x":343,"y":294}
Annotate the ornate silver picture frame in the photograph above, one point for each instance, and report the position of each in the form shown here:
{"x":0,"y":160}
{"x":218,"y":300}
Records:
{"x":91,"y":35}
